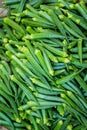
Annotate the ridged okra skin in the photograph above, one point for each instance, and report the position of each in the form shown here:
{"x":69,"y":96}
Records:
{"x":14,"y":25}
{"x":43,"y":65}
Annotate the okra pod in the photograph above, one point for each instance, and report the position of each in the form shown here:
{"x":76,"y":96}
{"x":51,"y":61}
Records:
{"x":47,"y":34}
{"x":14,"y":25}
{"x":80,"y":49}
{"x":81,"y":10}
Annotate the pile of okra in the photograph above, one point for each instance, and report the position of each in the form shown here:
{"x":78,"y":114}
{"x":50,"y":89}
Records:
{"x":43,"y":65}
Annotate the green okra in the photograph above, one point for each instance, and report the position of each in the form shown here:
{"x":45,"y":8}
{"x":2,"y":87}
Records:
{"x":76,"y":89}
{"x":75,"y":99}
{"x":10,"y":48}
{"x":48,"y":63}
{"x":43,"y":65}
{"x":58,"y":10}
{"x":27,"y":80}
{"x":70,"y":30}
{"x":10,"y":2}
{"x":10,"y":100}
{"x":13,"y":6}
{"x":67,"y":87}
{"x":22,"y":66}
{"x":81,"y":82}
{"x":59,"y":66}
{"x":29,"y":7}
{"x":21,"y":6}
{"x":32,"y":60}
{"x":5,"y":68}
{"x":72,"y":44}
{"x":51,"y":1}
{"x":20,"y":55}
{"x":6,"y":87}
{"x":24,"y":107}
{"x":71,"y":103}
{"x":41,"y":59}
{"x":80,"y":49}
{"x":51,"y":56}
{"x":45,"y":15}
{"x":81,"y":10}
{"x":78,"y":64}
{"x":16,"y":42}
{"x":31,"y":68}
{"x":9,"y":32}
{"x":5,"y":123}
{"x":5,"y":79}
{"x":44,"y":115}
{"x":60,"y":109}
{"x":65,"y":45}
{"x":43,"y":103}
{"x":70,"y":23}
{"x":65,"y":123}
{"x":27,"y":92}
{"x":13,"y":87}
{"x":4,"y":117}
{"x":20,"y":9}
{"x":85,"y":78}
{"x":65,"y":4}
{"x":56,"y":51}
{"x":56,"y":21}
{"x":30,"y":14}
{"x":6,"y":108}
{"x":31,"y":49}
{"x":75,"y":49}
{"x":42,"y":21}
{"x":36,"y":18}
{"x":3,"y":101}
{"x":36,"y":3}
{"x":83,"y":6}
{"x":14,"y":25}
{"x":35,"y":24}
{"x":78,"y":20}
{"x":47,"y":34}
{"x":58,"y":125}
{"x":69,"y":127}
{"x":44,"y":7}
{"x":58,"y":72}
{"x":67,"y":78}
{"x":33,"y":121}
{"x":39,"y":83}
{"x":79,"y":127}
{"x":17,"y":124}
{"x":48,"y":92}
{"x":30,"y":30}
{"x":63,"y":59}
{"x":49,"y":98}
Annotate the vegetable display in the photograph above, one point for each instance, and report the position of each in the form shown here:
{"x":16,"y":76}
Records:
{"x":43,"y":65}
